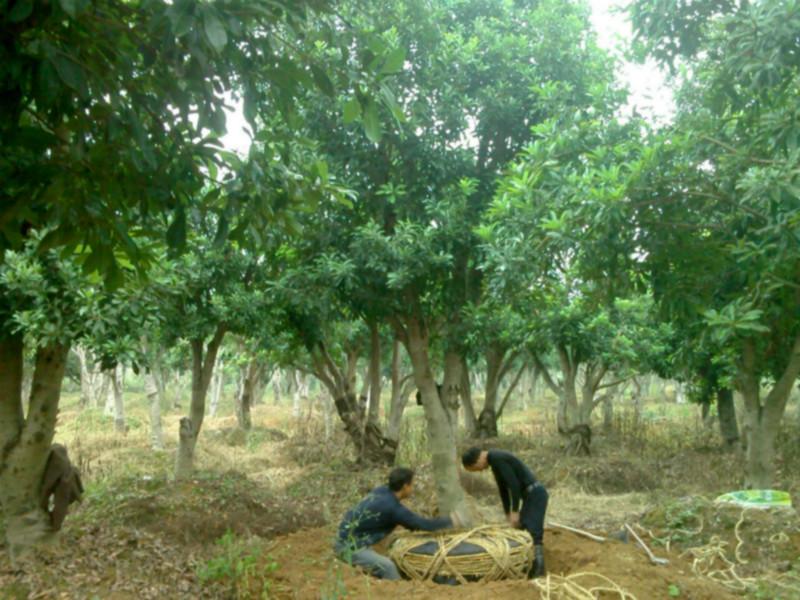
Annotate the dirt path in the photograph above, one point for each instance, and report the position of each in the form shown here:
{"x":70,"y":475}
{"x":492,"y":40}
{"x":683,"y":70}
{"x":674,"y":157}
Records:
{"x":307,"y":570}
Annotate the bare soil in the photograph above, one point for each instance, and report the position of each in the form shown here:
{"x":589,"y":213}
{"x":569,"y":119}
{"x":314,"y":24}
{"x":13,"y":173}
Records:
{"x":308,"y":570}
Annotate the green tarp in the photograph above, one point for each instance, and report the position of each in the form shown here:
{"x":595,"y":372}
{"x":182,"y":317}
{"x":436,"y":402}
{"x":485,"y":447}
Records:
{"x":756,"y":499}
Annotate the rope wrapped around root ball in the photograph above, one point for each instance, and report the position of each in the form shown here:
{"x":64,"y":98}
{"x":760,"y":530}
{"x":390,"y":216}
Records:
{"x":486,"y":553}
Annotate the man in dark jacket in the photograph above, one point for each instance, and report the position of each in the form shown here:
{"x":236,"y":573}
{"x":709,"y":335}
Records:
{"x":516,"y":484}
{"x":374,"y":518}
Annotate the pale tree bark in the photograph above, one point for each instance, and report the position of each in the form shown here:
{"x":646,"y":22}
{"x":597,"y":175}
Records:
{"x":249,"y":377}
{"x":401,"y":388}
{"x":154,"y":397}
{"x":117,"y":383}
{"x":203,"y":358}
{"x":89,"y":378}
{"x":573,"y":418}
{"x":374,"y":374}
{"x":763,"y":417}
{"x":276,"y":387}
{"x":470,"y":420}
{"x":217,"y":382}
{"x":441,"y":435}
{"x":294,"y":378}
{"x":370,"y":442}
{"x":25,"y":442}
{"x":108,"y":388}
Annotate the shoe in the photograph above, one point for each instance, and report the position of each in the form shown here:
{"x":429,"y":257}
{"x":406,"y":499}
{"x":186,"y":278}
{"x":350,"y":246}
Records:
{"x":537,"y":569}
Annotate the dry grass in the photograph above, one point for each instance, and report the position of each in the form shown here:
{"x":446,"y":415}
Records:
{"x":638,"y":467}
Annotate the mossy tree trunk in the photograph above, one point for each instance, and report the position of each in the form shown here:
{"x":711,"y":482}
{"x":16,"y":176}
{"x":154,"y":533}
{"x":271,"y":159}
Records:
{"x":763,"y":416}
{"x":25,"y":440}
{"x":370,"y":442}
{"x":203,"y":358}
{"x":439,"y":420}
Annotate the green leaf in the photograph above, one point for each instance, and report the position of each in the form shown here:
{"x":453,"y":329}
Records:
{"x":674,"y":590}
{"x":352,"y":110}
{"x":21,"y":11}
{"x":394,"y":62}
{"x":215,"y":31}
{"x":176,"y":234}
{"x":70,"y":73}
{"x":372,"y":123}
{"x":323,"y":81}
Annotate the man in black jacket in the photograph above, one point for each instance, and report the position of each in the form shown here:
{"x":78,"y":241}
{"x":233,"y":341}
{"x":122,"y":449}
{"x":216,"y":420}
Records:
{"x":374,"y":518}
{"x":516,"y":484}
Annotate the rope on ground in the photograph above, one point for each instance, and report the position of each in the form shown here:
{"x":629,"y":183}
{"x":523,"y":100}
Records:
{"x":705,"y":560}
{"x":578,"y":586}
{"x":507,"y":554}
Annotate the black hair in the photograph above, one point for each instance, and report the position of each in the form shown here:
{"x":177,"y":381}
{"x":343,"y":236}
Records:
{"x":399,"y":477}
{"x":471,"y":456}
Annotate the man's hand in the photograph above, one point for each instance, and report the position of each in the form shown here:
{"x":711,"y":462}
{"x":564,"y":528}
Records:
{"x":513,"y":519}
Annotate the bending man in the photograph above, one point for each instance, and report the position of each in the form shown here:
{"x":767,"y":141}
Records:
{"x":516,"y":484}
{"x":374,"y":518}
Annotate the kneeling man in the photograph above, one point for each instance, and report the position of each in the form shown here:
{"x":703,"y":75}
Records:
{"x":374,"y":518}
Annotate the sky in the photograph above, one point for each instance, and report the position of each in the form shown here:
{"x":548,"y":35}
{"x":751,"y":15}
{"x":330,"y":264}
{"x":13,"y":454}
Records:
{"x":649,"y":94}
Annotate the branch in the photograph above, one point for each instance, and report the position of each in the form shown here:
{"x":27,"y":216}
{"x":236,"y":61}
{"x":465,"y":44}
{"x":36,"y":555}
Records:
{"x":505,"y":365}
{"x":613,"y":383}
{"x":510,"y":389}
{"x":546,"y":374}
{"x":775,"y":402}
{"x":733,"y":150}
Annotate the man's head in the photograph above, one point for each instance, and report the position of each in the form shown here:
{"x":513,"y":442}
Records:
{"x":475,"y":459}
{"x":401,"y":482}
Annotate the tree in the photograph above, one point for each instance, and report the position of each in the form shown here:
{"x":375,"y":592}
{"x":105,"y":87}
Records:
{"x":110,"y":114}
{"x":717,"y":206}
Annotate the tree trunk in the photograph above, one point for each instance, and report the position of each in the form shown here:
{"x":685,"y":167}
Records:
{"x":374,"y":374}
{"x":487,"y":420}
{"x":400,"y":391}
{"x":371,"y":444}
{"x":294,"y":378}
{"x":470,"y":421}
{"x":608,"y":412}
{"x":217,"y":382}
{"x":108,"y":388}
{"x":119,"y":406}
{"x":276,"y":387}
{"x":441,"y":439}
{"x":568,"y":415}
{"x":726,"y":410}
{"x":451,"y":388}
{"x":25,"y":442}
{"x":154,"y":399}
{"x":512,"y":386}
{"x":763,"y":418}
{"x":189,"y":429}
{"x":244,"y":396}
{"x":87,"y":377}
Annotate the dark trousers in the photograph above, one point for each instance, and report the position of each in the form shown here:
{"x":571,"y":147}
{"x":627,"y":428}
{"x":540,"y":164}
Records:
{"x":534,"y":507}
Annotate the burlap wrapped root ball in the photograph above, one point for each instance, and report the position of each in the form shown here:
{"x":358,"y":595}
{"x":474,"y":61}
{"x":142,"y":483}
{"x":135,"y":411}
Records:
{"x":486,"y":553}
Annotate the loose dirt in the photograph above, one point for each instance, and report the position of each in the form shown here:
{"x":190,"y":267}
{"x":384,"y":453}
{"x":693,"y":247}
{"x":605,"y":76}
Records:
{"x":307,"y":569}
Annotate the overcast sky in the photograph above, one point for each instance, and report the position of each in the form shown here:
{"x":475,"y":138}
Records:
{"x":648,"y":90}
{"x":649,"y":94}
